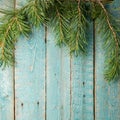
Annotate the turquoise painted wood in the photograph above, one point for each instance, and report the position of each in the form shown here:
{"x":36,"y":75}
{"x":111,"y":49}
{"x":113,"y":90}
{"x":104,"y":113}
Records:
{"x":6,"y":84}
{"x":30,"y":76}
{"x":82,"y":83}
{"x":6,"y":95}
{"x":58,"y":81}
{"x":51,"y":85}
{"x":107,"y":95}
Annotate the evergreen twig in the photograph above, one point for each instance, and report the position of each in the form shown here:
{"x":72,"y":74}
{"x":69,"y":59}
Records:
{"x":77,"y":34}
{"x":111,"y":45}
{"x":69,"y":21}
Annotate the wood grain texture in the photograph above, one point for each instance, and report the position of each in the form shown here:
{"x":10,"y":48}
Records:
{"x":51,"y":85}
{"x":65,"y":85}
{"x":6,"y":95}
{"x":58,"y":81}
{"x":82,"y":84}
{"x":30,"y":75}
{"x":107,"y":94}
{"x":6,"y":81}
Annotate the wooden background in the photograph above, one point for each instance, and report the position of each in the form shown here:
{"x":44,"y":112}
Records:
{"x":47,"y":84}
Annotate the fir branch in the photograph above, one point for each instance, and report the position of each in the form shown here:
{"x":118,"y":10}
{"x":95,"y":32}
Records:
{"x":59,"y":23}
{"x":7,"y":44}
{"x":69,"y":21}
{"x":110,"y":26}
{"x":77,"y":33}
{"x":34,"y":12}
{"x":60,"y":29}
{"x":9,"y":32}
{"x":112,"y":47}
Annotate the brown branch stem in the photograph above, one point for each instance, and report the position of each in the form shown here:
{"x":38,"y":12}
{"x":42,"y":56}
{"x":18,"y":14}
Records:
{"x":110,"y":26}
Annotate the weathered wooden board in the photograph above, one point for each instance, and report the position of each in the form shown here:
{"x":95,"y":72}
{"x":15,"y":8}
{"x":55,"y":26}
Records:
{"x":6,"y":82}
{"x":107,"y":94}
{"x":30,"y":77}
{"x":82,"y":84}
{"x":58,"y":80}
{"x":6,"y":95}
{"x":52,"y":85}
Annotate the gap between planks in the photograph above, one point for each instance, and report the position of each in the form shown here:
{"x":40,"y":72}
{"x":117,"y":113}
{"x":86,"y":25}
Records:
{"x":94,"y":71}
{"x":14,"y":92}
{"x":45,"y":27}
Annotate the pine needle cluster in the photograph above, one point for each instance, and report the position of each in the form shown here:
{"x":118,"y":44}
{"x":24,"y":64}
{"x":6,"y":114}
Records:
{"x":69,"y":20}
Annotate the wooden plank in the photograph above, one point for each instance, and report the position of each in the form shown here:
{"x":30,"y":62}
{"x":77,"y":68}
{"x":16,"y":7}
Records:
{"x":82,"y":84}
{"x":30,"y":75}
{"x":6,"y":94}
{"x":65,"y":84}
{"x":107,"y":94}
{"x":6,"y":83}
{"x":58,"y":81}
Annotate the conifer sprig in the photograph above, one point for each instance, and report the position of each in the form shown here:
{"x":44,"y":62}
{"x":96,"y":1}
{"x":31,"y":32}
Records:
{"x":10,"y":30}
{"x":59,"y":22}
{"x":77,"y":33}
{"x":69,"y":20}
{"x":34,"y":12}
{"x":111,"y":44}
{"x":60,"y":28}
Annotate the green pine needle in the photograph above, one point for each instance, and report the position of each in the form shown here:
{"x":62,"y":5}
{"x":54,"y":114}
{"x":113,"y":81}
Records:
{"x":34,"y":12}
{"x":69,"y":20}
{"x":10,"y":30}
{"x":59,"y":22}
{"x":110,"y":32}
{"x":77,"y":33}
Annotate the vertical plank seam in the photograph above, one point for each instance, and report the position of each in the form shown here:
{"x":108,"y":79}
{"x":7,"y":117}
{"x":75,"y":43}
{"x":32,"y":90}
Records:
{"x":45,"y":72}
{"x":94,"y":71}
{"x":61,"y":84}
{"x":14,"y":92}
{"x":70,"y":88}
